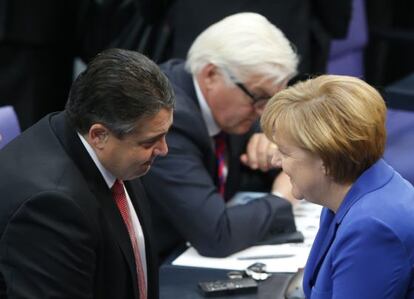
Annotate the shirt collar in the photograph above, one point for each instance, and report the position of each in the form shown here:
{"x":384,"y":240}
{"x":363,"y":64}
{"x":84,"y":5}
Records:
{"x":109,"y":177}
{"x":212,"y":127}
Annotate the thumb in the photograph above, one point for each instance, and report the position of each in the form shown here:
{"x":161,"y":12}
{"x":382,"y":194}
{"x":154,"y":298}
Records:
{"x":244,"y":159}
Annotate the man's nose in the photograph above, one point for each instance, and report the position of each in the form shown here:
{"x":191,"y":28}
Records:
{"x":162,"y":148}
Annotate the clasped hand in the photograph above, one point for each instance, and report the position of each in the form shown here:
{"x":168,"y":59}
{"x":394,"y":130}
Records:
{"x":259,"y":153}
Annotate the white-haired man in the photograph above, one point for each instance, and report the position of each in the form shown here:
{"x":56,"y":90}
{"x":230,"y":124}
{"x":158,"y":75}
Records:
{"x":232,"y":69}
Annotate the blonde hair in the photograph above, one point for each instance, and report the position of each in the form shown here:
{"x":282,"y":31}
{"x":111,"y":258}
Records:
{"x":341,"y":119}
{"x":243,"y":44}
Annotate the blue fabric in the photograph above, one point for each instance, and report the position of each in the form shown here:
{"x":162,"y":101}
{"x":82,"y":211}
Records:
{"x":366,"y":249}
{"x":400,"y":142}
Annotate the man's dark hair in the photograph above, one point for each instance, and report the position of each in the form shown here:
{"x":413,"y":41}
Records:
{"x":118,"y":88}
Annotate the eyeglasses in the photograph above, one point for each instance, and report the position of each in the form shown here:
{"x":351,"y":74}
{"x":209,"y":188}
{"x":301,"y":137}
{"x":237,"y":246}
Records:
{"x":257,"y":101}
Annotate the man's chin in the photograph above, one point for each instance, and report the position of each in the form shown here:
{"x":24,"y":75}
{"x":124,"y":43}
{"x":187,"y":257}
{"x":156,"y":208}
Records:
{"x":142,"y":171}
{"x":241,"y":130}
{"x":238,"y":130}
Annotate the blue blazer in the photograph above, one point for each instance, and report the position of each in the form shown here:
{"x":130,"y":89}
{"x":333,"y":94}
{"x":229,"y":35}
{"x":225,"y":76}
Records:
{"x":366,"y":249}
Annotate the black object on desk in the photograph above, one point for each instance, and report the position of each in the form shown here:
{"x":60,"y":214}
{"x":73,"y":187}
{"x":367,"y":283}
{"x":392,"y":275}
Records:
{"x":282,"y":238}
{"x":228,"y":287}
{"x":182,"y":282}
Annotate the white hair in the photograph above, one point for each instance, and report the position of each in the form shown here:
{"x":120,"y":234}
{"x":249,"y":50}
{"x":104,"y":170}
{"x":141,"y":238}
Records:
{"x":242,"y":44}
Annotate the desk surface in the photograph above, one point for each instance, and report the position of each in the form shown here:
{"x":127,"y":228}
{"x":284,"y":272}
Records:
{"x":181,"y":282}
{"x":178,"y":282}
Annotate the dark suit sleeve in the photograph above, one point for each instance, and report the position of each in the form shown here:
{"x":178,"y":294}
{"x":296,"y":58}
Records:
{"x":47,"y":250}
{"x":185,"y":191}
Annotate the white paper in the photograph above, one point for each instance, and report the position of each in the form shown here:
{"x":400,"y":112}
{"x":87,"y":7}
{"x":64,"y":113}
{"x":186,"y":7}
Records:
{"x":290,"y":264}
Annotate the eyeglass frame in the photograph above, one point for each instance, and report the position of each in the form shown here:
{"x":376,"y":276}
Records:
{"x":256,"y":101}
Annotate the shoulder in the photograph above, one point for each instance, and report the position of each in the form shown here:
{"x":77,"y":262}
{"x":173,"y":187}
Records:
{"x":373,"y":239}
{"x":174,"y":69}
{"x":390,"y":205}
{"x":47,"y":213}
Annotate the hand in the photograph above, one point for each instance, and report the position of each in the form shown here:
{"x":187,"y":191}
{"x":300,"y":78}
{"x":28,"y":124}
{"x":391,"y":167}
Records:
{"x":283,"y":188}
{"x":259,"y":153}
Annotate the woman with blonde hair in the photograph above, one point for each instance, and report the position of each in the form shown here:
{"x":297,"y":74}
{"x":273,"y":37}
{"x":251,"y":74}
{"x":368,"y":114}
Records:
{"x":330,"y":134}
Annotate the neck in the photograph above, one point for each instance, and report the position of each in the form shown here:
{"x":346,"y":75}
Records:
{"x":335,"y":195}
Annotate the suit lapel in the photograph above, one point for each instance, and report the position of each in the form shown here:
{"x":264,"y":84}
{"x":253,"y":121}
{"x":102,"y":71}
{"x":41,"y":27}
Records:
{"x":138,"y":199}
{"x":188,"y":104}
{"x":323,"y":241}
{"x":120,"y":232}
{"x":97,"y":185}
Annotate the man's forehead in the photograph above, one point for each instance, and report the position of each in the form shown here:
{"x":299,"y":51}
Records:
{"x":265,"y":83}
{"x":159,"y":122}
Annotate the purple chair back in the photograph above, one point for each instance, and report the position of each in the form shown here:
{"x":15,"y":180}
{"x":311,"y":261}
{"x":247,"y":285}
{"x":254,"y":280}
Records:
{"x":9,"y":125}
{"x":400,"y":142}
{"x":346,"y":55}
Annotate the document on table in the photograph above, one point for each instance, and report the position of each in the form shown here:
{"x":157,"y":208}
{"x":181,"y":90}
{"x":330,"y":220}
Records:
{"x":278,"y":258}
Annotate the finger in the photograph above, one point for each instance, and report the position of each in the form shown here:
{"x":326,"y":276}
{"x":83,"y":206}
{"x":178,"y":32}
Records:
{"x":263,"y":153}
{"x":244,"y":159}
{"x":272,"y":155}
{"x":252,"y":151}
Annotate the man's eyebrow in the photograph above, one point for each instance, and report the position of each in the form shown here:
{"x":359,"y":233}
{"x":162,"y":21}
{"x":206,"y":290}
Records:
{"x":151,"y":138}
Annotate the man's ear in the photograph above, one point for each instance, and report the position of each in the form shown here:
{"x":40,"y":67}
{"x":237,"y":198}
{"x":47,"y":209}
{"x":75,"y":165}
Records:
{"x":98,"y":135}
{"x":208,"y":76}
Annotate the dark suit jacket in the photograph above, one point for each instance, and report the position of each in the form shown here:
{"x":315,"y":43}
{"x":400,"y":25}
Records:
{"x":61,"y":234}
{"x":182,"y":185}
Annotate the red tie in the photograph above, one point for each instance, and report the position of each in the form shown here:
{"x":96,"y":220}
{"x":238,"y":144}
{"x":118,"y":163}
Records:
{"x":119,"y":195}
{"x":220,"y":143}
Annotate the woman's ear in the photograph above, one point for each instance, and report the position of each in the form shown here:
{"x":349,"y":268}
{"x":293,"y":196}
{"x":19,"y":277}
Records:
{"x":324,"y":170}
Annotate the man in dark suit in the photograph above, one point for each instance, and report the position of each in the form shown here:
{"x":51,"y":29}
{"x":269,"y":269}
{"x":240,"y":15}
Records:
{"x":68,"y":226}
{"x":232,"y":69}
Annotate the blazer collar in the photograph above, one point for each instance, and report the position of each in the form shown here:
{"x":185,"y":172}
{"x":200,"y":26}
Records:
{"x":373,"y":178}
{"x":97,"y":185}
